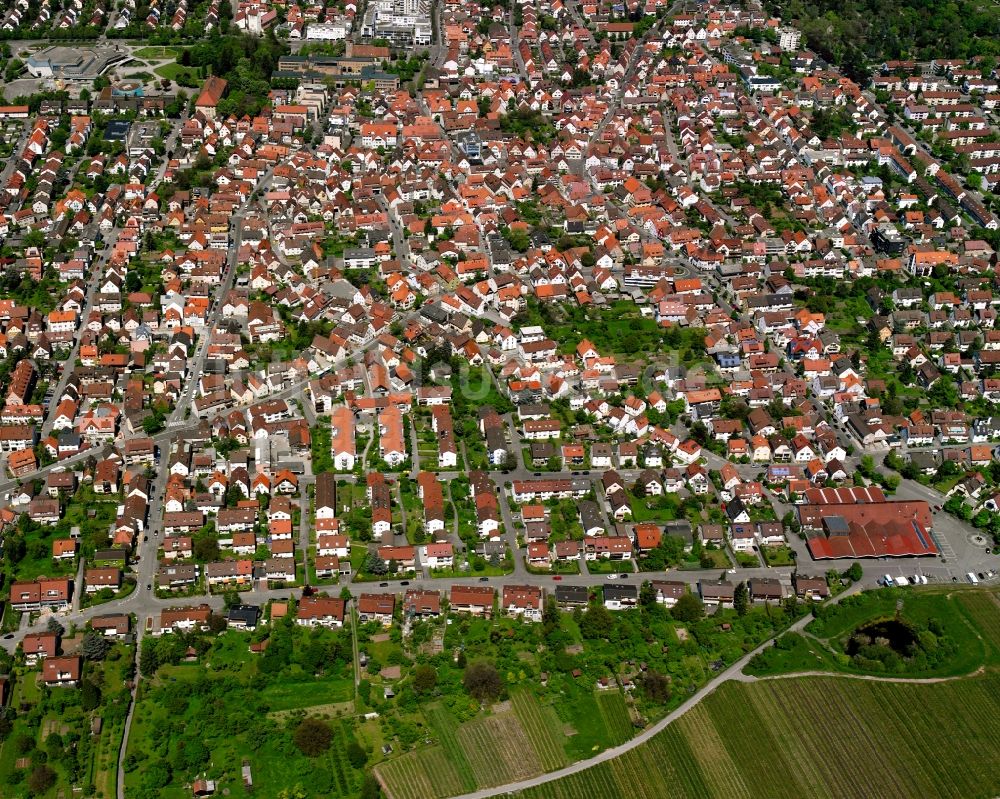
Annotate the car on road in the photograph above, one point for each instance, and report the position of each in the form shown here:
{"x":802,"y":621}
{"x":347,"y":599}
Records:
{"x":383,"y":585}
{"x":149,"y":586}
{"x":557,"y":577}
{"x":484,"y":579}
{"x":538,"y":474}
{"x":405,"y":582}
{"x":8,"y":636}
{"x":145,"y":538}
{"x":623,"y":576}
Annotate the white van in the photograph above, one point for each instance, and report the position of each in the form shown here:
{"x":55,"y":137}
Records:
{"x":887,"y":581}
{"x":972,"y":578}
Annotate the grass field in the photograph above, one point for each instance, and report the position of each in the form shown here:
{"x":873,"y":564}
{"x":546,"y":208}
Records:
{"x":156,"y":52}
{"x":966,"y":618}
{"x":816,"y":737}
{"x":176,"y":72}
{"x":308,"y":693}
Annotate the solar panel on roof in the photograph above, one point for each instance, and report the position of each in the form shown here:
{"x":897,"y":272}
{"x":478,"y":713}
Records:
{"x":920,"y":535}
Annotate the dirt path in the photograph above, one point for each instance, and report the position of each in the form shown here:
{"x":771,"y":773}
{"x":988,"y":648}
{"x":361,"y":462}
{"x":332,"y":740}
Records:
{"x":748,"y":678}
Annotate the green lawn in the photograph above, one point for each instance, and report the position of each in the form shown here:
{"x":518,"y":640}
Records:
{"x":601,"y":566}
{"x":664,"y":508}
{"x":177,"y":73}
{"x":720,"y":560}
{"x":156,"y":52}
{"x":778,"y":556}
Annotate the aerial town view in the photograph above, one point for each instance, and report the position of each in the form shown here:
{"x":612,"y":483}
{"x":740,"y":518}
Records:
{"x":550,"y":399}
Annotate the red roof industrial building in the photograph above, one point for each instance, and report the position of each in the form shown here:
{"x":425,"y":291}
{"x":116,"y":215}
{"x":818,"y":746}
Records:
{"x":860,"y":523}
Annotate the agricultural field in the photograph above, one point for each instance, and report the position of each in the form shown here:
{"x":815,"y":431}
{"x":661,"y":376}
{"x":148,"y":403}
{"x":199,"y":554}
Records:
{"x":614,"y":714}
{"x":520,"y":738}
{"x":498,"y":749}
{"x":420,"y":774}
{"x":445,"y":728}
{"x":543,"y":728}
{"x":760,"y":739}
{"x":983,"y":610}
{"x":548,"y":711}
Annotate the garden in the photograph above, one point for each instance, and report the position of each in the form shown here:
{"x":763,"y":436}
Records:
{"x":63,"y":740}
{"x":556,"y":691}
{"x":285,"y":711}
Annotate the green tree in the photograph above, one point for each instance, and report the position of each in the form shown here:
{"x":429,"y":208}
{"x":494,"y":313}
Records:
{"x":647,"y":594}
{"x":312,"y":737}
{"x":482,"y":682}
{"x":94,"y":646}
{"x":90,"y":695}
{"x":41,"y":779}
{"x":356,"y":756}
{"x":741,"y":599}
{"x":655,"y":686}
{"x":373,"y":564}
{"x":424,"y":678}
{"x":149,"y":660}
{"x":689,"y":609}
{"x":205,"y":549}
{"x":597,"y":622}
